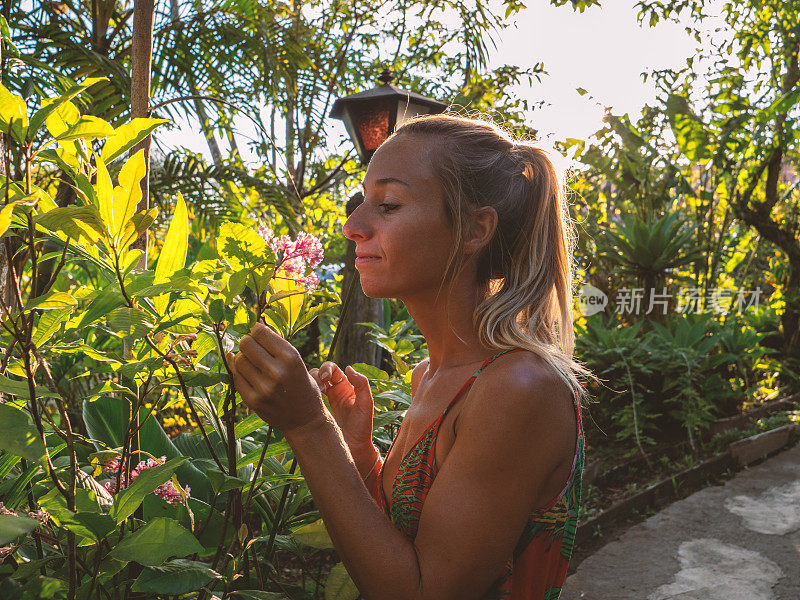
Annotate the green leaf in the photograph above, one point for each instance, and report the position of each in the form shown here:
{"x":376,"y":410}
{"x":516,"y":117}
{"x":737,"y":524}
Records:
{"x":8,"y":210}
{"x":13,"y":114}
{"x":94,"y":526}
{"x":78,"y":222}
{"x":243,"y":248}
{"x":259,"y":595}
{"x":128,"y":193}
{"x":339,"y":586}
{"x":105,"y":302}
{"x":53,"y":104}
{"x":48,"y":324}
{"x":104,"y":193}
{"x":314,"y":535}
{"x":18,"y":436}
{"x":129,"y":499}
{"x":132,"y":323}
{"x":252,"y":458}
{"x":157,"y":541}
{"x":88,"y":127}
{"x":106,"y":421}
{"x":179,"y":576}
{"x":690,"y":133}
{"x":173,"y":252}
{"x":52,"y":301}
{"x":128,"y":135}
{"x":247,"y":426}
{"x":12,"y":527}
{"x":5,"y":217}
{"x":19,"y":389}
{"x":222,"y":482}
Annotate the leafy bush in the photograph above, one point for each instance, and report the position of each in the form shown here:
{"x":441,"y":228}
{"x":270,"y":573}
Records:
{"x":114,"y":502}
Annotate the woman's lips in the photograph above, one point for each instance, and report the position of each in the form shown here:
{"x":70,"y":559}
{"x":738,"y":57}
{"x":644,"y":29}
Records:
{"x":363,"y":260}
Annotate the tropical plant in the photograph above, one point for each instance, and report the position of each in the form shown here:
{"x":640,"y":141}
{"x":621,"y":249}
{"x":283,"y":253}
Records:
{"x":153,"y":335}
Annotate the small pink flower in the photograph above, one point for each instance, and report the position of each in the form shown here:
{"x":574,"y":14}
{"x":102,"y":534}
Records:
{"x":166,"y":490}
{"x":295,"y":257}
{"x":40,"y":515}
{"x":5,"y":511}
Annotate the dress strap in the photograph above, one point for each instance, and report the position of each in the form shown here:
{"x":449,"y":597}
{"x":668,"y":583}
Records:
{"x":474,"y":376}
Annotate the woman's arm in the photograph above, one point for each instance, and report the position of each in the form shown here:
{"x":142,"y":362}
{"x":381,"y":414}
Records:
{"x":499,"y":468}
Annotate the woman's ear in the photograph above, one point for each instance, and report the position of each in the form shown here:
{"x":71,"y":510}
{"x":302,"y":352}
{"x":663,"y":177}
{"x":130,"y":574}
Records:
{"x":482,"y":225}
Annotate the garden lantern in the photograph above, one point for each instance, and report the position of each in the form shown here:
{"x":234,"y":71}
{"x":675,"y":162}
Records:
{"x":372,"y":116}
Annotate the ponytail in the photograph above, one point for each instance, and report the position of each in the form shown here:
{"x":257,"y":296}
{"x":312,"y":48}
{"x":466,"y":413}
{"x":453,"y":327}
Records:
{"x":525,"y":273}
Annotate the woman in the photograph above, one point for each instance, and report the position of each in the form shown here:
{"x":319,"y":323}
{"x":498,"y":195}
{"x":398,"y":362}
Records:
{"x":478,"y":495}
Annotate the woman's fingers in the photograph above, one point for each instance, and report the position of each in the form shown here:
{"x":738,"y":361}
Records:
{"x":360,"y":383}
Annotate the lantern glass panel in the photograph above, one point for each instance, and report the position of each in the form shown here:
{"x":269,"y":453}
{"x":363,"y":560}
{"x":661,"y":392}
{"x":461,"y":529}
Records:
{"x":408,"y":109}
{"x":372,"y":121}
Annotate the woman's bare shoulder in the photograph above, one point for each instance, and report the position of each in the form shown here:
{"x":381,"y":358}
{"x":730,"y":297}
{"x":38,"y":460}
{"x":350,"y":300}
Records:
{"x":519,"y":388}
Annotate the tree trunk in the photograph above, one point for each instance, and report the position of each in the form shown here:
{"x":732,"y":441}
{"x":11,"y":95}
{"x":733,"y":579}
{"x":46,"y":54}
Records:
{"x":353,"y":344}
{"x":141,"y":59}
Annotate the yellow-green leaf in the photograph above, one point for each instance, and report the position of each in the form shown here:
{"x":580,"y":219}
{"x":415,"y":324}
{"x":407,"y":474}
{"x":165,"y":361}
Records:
{"x":5,"y":217}
{"x":314,"y":535}
{"x":60,"y":119}
{"x":128,"y":135}
{"x":51,"y":105}
{"x":339,"y":586}
{"x":104,"y":192}
{"x":128,"y":193}
{"x":13,"y":114}
{"x":51,"y":301}
{"x":291,"y":296}
{"x":173,"y":252}
{"x":88,"y":127}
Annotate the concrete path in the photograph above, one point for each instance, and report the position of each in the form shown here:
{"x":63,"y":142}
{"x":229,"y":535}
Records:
{"x":737,"y":541}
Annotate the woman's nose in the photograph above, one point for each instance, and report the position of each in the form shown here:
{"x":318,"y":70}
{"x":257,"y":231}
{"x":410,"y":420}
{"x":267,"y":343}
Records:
{"x":355,"y":227}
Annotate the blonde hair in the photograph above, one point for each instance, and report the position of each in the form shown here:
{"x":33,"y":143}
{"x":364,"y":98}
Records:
{"x":526,"y":272}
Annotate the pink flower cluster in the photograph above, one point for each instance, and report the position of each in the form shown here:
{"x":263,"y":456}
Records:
{"x":295,"y":257}
{"x":166,"y":491}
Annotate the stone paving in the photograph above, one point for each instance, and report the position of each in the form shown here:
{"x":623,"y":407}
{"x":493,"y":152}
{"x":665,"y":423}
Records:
{"x":736,"y":541}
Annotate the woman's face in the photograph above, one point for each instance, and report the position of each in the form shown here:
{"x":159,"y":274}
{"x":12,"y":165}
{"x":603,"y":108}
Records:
{"x":402,"y":236}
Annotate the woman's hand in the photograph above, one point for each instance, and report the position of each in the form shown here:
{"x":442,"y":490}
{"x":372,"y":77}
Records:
{"x":351,"y":401}
{"x":270,"y":375}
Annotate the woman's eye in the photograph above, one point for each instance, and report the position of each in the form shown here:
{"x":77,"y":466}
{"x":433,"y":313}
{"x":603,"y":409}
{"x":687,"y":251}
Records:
{"x":388,"y":207}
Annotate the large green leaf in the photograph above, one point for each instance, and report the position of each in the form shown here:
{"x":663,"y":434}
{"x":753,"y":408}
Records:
{"x":106,"y":301}
{"x":157,"y":541}
{"x":179,"y":576}
{"x":78,"y":222}
{"x":12,"y":527}
{"x":243,"y":248}
{"x":106,"y":420}
{"x":128,"y":135}
{"x":18,"y":435}
{"x":48,"y":324}
{"x":128,"y":500}
{"x":132,"y":323}
{"x":19,"y":388}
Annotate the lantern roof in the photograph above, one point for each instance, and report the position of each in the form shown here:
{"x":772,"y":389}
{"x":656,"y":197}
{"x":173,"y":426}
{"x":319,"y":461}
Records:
{"x":385,"y":91}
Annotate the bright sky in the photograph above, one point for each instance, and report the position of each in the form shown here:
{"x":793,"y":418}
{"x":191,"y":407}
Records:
{"x":602,"y":50}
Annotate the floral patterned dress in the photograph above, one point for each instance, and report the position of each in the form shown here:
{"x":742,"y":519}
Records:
{"x":540,"y":559}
